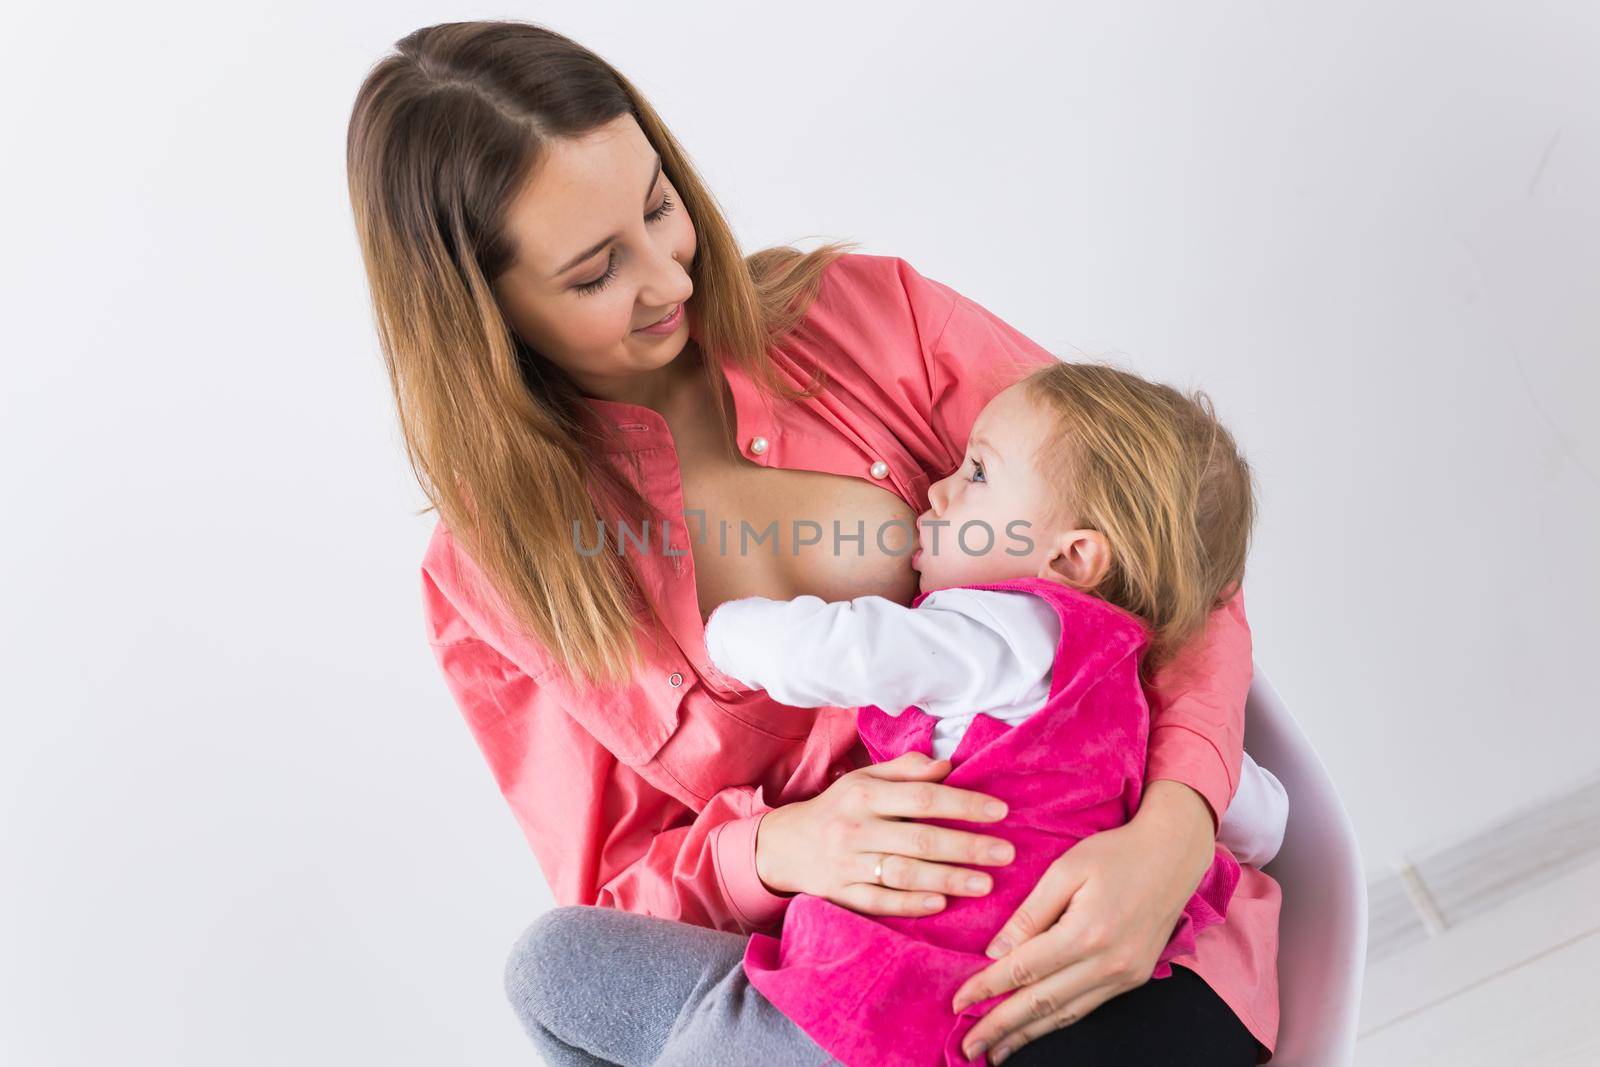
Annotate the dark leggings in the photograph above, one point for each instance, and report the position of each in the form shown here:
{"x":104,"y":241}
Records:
{"x":1176,"y":1021}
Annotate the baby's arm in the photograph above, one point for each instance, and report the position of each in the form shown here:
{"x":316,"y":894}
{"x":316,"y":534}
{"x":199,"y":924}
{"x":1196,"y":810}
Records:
{"x":1252,"y":827}
{"x":959,"y":651}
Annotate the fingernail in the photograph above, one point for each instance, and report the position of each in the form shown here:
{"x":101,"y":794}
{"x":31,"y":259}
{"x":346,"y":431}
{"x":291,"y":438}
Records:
{"x":999,"y":947}
{"x":977,"y":1050}
{"x":1000,"y":1056}
{"x":999,"y":852}
{"x":995,"y":808}
{"x":975,"y":882}
{"x":930,"y":902}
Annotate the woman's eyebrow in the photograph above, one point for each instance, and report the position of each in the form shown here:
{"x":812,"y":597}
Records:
{"x":598,"y":245}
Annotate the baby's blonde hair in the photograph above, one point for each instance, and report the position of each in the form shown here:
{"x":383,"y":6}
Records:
{"x":1152,"y":470}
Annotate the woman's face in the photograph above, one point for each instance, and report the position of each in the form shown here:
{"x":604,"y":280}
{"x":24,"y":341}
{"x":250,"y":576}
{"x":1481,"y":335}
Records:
{"x":602,"y":251}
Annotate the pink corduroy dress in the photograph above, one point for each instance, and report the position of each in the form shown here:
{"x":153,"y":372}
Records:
{"x":876,"y":990}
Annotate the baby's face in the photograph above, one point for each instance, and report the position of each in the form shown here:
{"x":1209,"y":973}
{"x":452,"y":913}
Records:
{"x":989,"y":520}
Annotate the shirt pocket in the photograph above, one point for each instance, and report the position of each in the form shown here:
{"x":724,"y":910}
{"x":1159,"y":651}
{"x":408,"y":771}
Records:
{"x":635,"y":719}
{"x":716,"y":746}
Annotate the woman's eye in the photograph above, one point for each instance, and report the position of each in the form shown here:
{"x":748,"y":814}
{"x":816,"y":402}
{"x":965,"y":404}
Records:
{"x":663,"y":211}
{"x":667,"y":204}
{"x":601,"y":282}
{"x":977,"y":471}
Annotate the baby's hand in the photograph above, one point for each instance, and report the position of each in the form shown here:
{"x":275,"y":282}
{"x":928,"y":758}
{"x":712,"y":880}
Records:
{"x":735,"y":642}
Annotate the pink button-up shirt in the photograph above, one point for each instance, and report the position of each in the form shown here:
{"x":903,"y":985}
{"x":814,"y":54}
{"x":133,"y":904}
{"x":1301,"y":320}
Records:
{"x":646,"y":797}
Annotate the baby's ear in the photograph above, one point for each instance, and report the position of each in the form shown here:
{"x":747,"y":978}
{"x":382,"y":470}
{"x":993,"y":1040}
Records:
{"x":1079,"y":558}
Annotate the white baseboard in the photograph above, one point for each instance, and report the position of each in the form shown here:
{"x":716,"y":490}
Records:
{"x":1433,"y":890}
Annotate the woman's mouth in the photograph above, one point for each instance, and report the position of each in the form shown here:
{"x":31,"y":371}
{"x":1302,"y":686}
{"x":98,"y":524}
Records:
{"x":666,"y":325}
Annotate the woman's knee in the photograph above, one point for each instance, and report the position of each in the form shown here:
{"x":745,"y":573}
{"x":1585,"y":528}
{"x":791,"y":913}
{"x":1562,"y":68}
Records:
{"x":535,"y":974}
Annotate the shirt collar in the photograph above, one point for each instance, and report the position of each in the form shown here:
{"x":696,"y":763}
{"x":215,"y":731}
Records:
{"x":631,"y":427}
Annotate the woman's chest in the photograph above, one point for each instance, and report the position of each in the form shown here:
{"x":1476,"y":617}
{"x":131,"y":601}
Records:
{"x":772,"y":507}
{"x":782,"y":532}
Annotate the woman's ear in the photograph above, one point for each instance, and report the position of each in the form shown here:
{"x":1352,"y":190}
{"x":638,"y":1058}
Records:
{"x":1079,"y":558}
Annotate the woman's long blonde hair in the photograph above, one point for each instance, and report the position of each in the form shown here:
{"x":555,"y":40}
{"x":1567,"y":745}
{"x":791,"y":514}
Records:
{"x":443,"y":133}
{"x":1155,"y":472}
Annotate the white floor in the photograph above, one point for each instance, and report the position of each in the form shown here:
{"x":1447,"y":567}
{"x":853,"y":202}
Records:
{"x":1516,"y":985}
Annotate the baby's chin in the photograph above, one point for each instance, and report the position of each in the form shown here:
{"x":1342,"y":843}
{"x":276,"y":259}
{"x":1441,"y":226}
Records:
{"x":928,"y":582}
{"x":926,"y":564}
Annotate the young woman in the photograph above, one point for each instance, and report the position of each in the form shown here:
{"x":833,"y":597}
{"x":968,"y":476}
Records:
{"x":582,"y":360}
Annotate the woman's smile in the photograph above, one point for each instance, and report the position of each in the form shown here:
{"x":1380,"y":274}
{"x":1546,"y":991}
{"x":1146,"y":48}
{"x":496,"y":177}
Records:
{"x":664,"y":326}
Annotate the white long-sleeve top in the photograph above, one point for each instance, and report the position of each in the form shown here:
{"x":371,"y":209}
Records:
{"x":959,"y":652}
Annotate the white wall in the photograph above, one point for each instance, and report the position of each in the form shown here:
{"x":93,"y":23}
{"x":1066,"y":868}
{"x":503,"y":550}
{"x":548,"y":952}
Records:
{"x":242,"y":820}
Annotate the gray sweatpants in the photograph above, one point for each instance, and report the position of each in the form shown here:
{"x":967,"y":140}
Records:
{"x":600,"y":986}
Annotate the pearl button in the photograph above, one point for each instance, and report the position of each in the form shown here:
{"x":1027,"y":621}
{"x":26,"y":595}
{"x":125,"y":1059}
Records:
{"x":880,"y":469}
{"x":758,"y":445}
{"x":676,"y":680}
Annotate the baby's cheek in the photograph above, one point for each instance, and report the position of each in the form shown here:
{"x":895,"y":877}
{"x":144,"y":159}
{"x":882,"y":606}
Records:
{"x":954,"y":566}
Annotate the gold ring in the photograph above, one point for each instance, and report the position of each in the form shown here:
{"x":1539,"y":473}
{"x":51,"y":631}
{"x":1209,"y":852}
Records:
{"x":877,"y":871}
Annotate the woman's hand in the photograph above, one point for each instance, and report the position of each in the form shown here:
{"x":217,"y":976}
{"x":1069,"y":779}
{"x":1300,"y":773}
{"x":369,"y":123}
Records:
{"x":1126,"y":889}
{"x":829,"y":845}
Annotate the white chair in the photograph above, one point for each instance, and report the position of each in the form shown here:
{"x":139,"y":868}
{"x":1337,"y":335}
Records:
{"x":1322,"y":944}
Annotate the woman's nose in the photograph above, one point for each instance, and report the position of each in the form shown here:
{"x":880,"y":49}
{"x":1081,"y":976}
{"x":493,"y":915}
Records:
{"x":667,"y":282}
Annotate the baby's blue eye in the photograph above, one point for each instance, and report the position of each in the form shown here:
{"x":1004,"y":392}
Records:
{"x":977,"y":471}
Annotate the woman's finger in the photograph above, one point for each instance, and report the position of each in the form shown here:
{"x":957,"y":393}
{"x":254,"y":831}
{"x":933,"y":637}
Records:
{"x":1045,"y":903}
{"x":936,"y":844}
{"x":870,"y":899}
{"x":899,"y":871}
{"x":1036,"y":999}
{"x":1038,"y":957}
{"x":908,"y":766}
{"x":1006,"y":1045}
{"x":1023,"y":951}
{"x":929,"y":800}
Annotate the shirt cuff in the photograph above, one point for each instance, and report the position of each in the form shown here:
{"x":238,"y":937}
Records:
{"x":1188,"y":756}
{"x":735,"y":850}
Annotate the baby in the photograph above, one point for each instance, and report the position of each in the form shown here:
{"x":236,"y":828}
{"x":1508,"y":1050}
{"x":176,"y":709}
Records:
{"x":1094,"y":514}
{"x":1094,"y":524}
